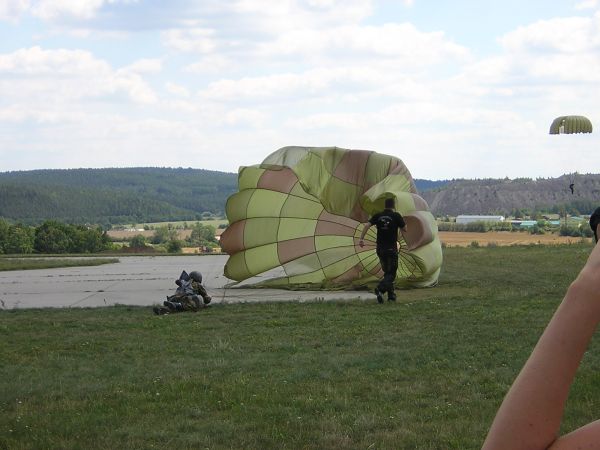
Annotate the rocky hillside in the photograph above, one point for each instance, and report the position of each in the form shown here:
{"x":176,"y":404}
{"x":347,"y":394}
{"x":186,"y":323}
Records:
{"x":506,"y":196}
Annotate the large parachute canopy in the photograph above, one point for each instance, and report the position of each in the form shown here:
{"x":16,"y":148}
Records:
{"x":571,"y":125}
{"x":298,"y":217}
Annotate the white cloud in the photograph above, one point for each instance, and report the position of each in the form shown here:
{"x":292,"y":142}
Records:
{"x":177,"y":89}
{"x":240,"y":78}
{"x":587,"y":4}
{"x":37,"y":61}
{"x":310,"y":83}
{"x":199,"y":40}
{"x":541,"y":59}
{"x":281,"y":16}
{"x":147,"y":65}
{"x":210,"y":64}
{"x":17,"y":113}
{"x":403,"y":42}
{"x":51,"y":10}
{"x":62,"y":76}
{"x":242,"y":116}
{"x":564,"y":35}
{"x":337,"y":84}
{"x":12,"y":9}
{"x":134,"y":85}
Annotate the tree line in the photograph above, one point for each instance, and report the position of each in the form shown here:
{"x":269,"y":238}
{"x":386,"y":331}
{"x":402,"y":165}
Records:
{"x":51,"y":237}
{"x":540,"y":227}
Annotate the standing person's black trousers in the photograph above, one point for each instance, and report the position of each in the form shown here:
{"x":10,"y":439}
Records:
{"x":389,"y":264}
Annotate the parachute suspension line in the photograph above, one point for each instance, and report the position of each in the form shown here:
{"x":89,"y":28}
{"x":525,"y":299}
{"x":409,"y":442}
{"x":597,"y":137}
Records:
{"x":572,"y":182}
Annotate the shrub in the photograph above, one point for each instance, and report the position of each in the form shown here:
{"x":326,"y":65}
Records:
{"x":174,"y":246}
{"x":137,"y":241}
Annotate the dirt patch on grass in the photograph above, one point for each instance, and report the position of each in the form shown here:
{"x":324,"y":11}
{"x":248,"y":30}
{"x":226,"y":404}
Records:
{"x":126,"y":234}
{"x":463,"y":239}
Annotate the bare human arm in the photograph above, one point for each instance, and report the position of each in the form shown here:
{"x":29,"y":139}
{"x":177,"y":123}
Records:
{"x":366,"y":227}
{"x":530,"y":415}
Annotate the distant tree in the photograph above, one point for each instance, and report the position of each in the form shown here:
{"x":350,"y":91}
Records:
{"x":161,"y":235}
{"x":566,"y":230}
{"x":537,"y":229}
{"x":478,"y":227}
{"x":138,"y":241}
{"x":202,"y":235}
{"x":52,"y":237}
{"x":56,"y":237}
{"x":174,"y":246}
{"x":87,"y":239}
{"x":587,"y":232}
{"x":4,"y":227}
{"x":20,"y":239}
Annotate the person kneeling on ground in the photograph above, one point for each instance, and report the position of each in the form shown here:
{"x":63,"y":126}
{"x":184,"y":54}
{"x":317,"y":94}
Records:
{"x":189,"y":287}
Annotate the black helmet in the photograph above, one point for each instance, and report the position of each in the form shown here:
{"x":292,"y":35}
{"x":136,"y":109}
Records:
{"x":196,"y":276}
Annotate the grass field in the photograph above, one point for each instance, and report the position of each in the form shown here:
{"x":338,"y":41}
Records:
{"x":30,"y":263}
{"x":427,"y":372}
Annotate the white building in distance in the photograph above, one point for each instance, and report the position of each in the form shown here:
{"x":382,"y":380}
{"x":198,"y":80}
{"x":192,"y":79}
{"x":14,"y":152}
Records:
{"x":469,"y":219}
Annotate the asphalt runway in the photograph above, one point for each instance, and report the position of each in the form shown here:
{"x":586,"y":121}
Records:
{"x":138,"y":280}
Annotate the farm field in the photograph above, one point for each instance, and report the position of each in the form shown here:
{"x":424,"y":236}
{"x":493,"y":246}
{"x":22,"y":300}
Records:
{"x":426,"y":372}
{"x":449,"y":238}
{"x":463,"y":239}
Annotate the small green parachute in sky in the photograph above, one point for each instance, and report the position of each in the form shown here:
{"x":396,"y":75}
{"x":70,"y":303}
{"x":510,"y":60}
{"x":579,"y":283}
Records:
{"x":571,"y":125}
{"x":298,"y":217}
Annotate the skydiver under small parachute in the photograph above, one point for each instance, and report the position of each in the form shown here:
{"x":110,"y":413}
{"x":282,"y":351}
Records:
{"x":571,"y":125}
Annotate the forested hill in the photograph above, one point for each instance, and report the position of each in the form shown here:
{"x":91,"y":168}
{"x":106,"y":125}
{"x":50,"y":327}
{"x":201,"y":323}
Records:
{"x":114,"y":196}
{"x":516,"y":197}
{"x":118,"y":196}
{"x":152,"y":194}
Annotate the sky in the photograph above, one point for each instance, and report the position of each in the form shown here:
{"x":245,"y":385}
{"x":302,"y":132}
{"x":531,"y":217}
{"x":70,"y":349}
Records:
{"x":454,"y":88}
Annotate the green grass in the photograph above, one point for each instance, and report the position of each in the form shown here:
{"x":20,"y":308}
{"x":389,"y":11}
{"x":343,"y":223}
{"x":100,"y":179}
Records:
{"x":30,"y":263}
{"x":427,"y":372}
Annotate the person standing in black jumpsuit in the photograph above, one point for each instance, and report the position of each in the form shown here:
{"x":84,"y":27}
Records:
{"x":387,"y":222}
